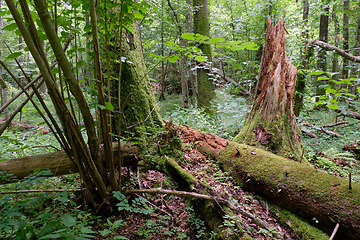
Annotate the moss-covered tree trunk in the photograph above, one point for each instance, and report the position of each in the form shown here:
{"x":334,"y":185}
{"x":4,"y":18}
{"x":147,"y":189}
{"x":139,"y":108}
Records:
{"x":137,"y":101}
{"x":271,"y":123}
{"x":206,"y":87}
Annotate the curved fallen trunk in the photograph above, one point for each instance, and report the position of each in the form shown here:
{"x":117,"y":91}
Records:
{"x":310,"y":193}
{"x":58,"y":162}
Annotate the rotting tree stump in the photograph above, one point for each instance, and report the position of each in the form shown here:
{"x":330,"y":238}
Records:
{"x":271,"y":124}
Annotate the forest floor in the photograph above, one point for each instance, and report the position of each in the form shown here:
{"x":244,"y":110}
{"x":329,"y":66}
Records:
{"x":174,"y":218}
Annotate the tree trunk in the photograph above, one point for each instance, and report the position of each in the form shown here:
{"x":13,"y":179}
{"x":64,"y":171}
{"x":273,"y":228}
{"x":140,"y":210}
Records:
{"x":59,"y":163}
{"x":183,"y":80}
{"x":312,"y":194}
{"x":323,"y":36}
{"x":271,"y":123}
{"x":206,"y":88}
{"x":345,"y":69}
{"x":300,"y":86}
{"x":335,"y":60}
{"x":137,"y":101}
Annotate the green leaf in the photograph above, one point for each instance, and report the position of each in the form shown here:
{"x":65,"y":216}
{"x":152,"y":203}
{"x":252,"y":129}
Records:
{"x":170,"y":44}
{"x":200,"y":58}
{"x":322,"y":78}
{"x":331,"y":90}
{"x":188,"y":36}
{"x":105,"y":232}
{"x":250,"y":46}
{"x":138,"y":15}
{"x":109,"y":106}
{"x":121,"y":237}
{"x":102,"y":107}
{"x":236,"y":48}
{"x":14,"y":55}
{"x":316,"y":73}
{"x":69,"y":221}
{"x":51,"y":235}
{"x":332,"y":106}
{"x":215,"y":40}
{"x":11,"y":27}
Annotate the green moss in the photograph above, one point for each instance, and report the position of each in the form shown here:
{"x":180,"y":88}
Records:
{"x":244,"y":162}
{"x":302,"y":229}
{"x":282,"y":142}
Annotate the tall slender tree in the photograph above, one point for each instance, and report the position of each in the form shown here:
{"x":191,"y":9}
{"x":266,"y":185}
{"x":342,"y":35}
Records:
{"x":345,"y":68}
{"x":206,"y":87}
{"x":300,"y":85}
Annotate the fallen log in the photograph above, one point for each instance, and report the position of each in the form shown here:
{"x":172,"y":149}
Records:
{"x":308,"y":192}
{"x":59,"y":163}
{"x":348,"y":113}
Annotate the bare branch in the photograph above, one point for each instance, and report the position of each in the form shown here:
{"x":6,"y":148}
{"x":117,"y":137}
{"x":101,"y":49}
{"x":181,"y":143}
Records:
{"x":337,"y":50}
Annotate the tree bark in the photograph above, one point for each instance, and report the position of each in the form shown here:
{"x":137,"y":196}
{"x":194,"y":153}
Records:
{"x":137,"y":101}
{"x":59,"y":163}
{"x":206,"y":88}
{"x":300,"y":86}
{"x":183,"y":80}
{"x":272,"y":123}
{"x":345,"y":69}
{"x":323,"y":36}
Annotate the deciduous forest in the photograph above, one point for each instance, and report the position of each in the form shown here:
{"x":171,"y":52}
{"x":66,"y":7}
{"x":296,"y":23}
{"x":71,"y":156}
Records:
{"x":169,"y":119}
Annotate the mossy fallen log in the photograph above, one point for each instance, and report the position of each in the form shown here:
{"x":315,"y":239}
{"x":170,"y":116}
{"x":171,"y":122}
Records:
{"x":311,"y":193}
{"x":59,"y":163}
{"x":306,"y":191}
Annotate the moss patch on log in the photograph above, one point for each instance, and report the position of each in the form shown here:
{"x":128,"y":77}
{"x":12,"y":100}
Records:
{"x":307,"y":191}
{"x":302,"y":229}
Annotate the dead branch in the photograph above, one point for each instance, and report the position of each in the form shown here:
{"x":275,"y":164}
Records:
{"x":331,"y":132}
{"x":217,"y":72}
{"x":348,"y":113}
{"x":335,"y":124}
{"x":337,"y":50}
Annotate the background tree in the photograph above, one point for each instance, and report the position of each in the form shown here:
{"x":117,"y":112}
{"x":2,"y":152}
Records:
{"x":206,"y":85}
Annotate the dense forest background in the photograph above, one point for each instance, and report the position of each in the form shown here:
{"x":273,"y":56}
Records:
{"x":102,"y":93}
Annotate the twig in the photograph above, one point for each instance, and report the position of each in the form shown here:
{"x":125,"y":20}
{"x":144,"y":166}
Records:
{"x":336,"y":124}
{"x":47,"y":146}
{"x":42,"y":190}
{"x":334,"y":232}
{"x":331,"y":132}
{"x":255,"y":220}
{"x":145,"y":118}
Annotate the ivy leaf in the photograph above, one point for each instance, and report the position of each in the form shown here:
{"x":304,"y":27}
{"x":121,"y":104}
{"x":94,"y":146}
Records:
{"x":14,"y":55}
